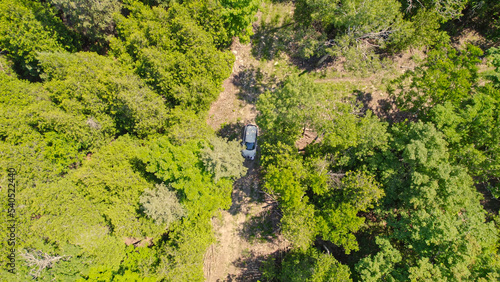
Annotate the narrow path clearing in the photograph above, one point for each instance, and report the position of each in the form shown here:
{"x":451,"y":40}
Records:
{"x":229,"y":108}
{"x":246,"y":233}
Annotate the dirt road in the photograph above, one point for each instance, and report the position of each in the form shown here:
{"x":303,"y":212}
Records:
{"x":246,"y":233}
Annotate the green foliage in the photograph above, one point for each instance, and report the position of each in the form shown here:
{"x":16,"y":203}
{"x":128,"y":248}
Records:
{"x":312,"y":203}
{"x":161,"y":205}
{"x":331,"y":213}
{"x":172,"y":53}
{"x":34,"y":155}
{"x":105,"y":97}
{"x":181,"y":168}
{"x":209,"y":15}
{"x":311,"y":265}
{"x":182,"y":258}
{"x":359,"y":30}
{"x":185,"y":125}
{"x":486,"y":16}
{"x":110,"y":180}
{"x":494,"y":76}
{"x":60,"y":216}
{"x":285,"y":178}
{"x":473,"y":133}
{"x":225,"y":19}
{"x":238,"y":16}
{"x":138,"y":265}
{"x":382,"y":265}
{"x":444,"y":10}
{"x":300,"y":103}
{"x":445,"y":90}
{"x":379,"y":22}
{"x":67,"y":261}
{"x":433,"y":210}
{"x":93,"y":19}
{"x":223,"y":158}
{"x":94,"y":136}
{"x":374,"y":19}
{"x":299,"y":225}
{"x":338,"y":208}
{"x":361,"y":190}
{"x":22,"y":35}
{"x":447,"y":75}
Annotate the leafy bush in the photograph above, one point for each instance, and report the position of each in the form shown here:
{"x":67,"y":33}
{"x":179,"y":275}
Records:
{"x":313,"y":266}
{"x":173,"y":54}
{"x":93,"y":19}
{"x":222,"y":158}
{"x":22,"y":36}
{"x":161,"y":205}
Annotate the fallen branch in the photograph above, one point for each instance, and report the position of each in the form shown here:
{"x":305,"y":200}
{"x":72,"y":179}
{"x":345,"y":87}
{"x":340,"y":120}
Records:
{"x":40,"y":261}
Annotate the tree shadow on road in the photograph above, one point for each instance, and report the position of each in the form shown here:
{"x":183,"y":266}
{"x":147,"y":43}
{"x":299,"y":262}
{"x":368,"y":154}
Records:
{"x":253,"y":264}
{"x":246,"y":189}
{"x":252,"y":82}
{"x":265,"y":226}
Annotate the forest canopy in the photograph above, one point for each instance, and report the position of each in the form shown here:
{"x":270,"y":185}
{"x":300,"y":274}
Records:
{"x":118,"y":176}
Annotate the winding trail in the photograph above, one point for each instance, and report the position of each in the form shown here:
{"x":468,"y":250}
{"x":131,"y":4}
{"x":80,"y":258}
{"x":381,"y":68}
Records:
{"x":247,"y":233}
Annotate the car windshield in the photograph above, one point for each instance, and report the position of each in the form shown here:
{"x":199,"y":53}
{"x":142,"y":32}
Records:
{"x":250,"y":146}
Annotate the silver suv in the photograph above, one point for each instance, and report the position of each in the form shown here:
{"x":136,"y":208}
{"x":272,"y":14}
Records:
{"x":250,"y":141}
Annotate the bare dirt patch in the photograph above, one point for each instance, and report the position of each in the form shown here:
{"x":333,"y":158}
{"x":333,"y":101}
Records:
{"x":229,"y":108}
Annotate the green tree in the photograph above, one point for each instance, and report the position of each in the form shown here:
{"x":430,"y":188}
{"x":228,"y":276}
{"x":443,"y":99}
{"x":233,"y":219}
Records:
{"x":181,"y":167}
{"x":313,"y":266}
{"x":172,"y":53}
{"x":185,"y":125}
{"x":494,"y":76}
{"x":93,"y":19}
{"x":447,"y":75}
{"x":338,"y":208}
{"x":238,"y":16}
{"x":445,"y":90}
{"x":105,"y":97}
{"x":284,"y":178}
{"x":223,"y":158}
{"x":181,"y":257}
{"x":22,"y":36}
{"x":312,"y":200}
{"x":111,"y":181}
{"x":445,"y":10}
{"x":224,"y":19}
{"x":352,"y":21}
{"x":473,"y":133}
{"x":299,"y":104}
{"x":433,"y":211}
{"x":382,"y":265}
{"x":161,"y":205}
{"x":138,"y":265}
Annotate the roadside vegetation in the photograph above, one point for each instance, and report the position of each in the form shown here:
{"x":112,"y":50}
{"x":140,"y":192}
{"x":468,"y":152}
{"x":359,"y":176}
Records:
{"x":379,"y":144}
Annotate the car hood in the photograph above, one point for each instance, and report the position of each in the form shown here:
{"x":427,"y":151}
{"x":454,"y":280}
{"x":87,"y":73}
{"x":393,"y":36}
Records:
{"x":248,"y":153}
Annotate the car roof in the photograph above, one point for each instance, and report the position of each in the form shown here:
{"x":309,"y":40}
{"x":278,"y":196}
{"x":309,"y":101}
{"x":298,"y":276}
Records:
{"x":251,"y":133}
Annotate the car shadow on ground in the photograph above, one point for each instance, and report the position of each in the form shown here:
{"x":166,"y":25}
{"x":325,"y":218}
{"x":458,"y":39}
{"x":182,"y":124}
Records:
{"x":231,"y":131}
